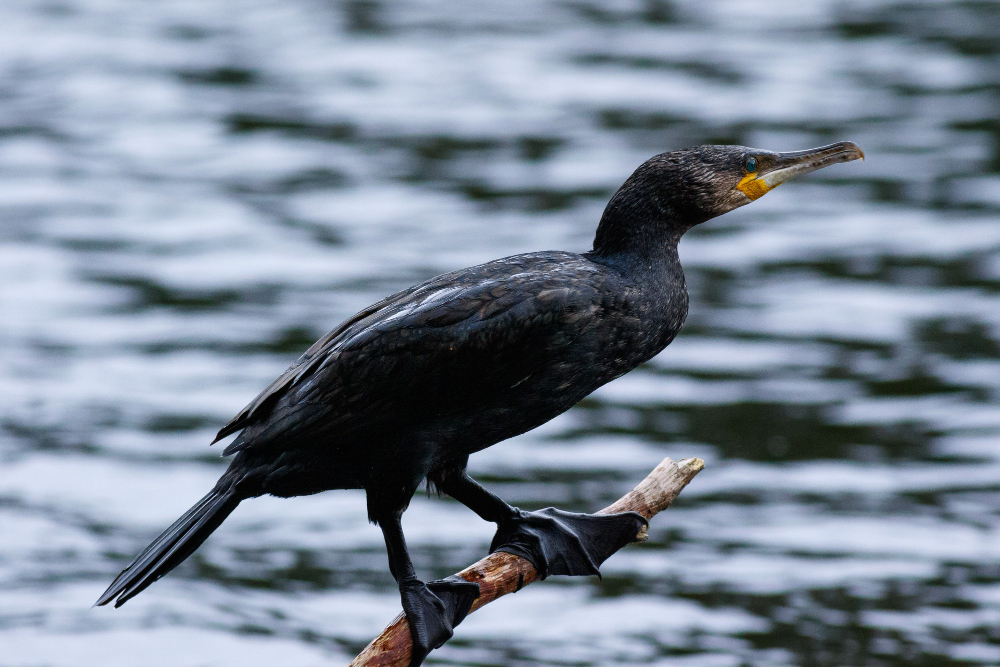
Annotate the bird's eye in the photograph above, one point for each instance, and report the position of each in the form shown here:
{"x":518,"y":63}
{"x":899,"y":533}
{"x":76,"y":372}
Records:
{"x":751,"y":165}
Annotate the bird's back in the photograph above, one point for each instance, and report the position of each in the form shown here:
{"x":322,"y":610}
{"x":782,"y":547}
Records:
{"x":454,"y":365}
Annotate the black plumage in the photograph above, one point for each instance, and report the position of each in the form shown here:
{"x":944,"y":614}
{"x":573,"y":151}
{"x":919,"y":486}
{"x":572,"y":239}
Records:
{"x":407,"y":389}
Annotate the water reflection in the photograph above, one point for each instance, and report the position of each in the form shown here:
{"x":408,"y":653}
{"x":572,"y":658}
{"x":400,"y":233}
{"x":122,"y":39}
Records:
{"x":192,"y":193}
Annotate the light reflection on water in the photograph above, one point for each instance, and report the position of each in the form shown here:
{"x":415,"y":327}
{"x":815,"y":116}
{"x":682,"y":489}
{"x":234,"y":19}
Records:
{"x":191,"y":193}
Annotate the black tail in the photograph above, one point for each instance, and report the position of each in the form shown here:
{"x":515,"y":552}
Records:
{"x":172,"y":546}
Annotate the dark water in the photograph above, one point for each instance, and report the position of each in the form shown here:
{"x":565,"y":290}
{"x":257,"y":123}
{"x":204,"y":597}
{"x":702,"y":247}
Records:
{"x":191,"y":192}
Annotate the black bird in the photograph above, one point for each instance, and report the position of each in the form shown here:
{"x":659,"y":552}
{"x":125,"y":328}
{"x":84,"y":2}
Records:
{"x":408,"y":388}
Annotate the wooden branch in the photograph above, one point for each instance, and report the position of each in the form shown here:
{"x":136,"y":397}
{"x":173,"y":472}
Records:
{"x":502,"y":573}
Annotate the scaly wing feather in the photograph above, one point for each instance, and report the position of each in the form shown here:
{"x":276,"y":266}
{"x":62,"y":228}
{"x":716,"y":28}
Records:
{"x":434,"y":347}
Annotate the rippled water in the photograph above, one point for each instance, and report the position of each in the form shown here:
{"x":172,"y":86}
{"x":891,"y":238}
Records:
{"x":191,"y":192}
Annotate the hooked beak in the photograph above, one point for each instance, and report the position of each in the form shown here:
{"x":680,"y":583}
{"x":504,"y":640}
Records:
{"x":785,"y":166}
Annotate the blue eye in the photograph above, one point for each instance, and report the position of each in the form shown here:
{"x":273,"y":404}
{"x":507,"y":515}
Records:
{"x":751,"y":165}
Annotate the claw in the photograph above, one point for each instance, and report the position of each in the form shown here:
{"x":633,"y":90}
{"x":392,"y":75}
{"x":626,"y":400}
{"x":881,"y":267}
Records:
{"x":558,"y":542}
{"x":433,"y":610}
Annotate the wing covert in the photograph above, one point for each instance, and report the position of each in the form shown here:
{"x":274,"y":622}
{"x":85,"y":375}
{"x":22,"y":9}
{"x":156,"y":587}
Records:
{"x":396,"y":346}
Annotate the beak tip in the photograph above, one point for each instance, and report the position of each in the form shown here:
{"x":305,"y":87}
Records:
{"x":861,"y":153}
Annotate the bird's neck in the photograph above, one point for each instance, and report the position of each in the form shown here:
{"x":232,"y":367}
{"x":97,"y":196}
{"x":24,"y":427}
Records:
{"x":643,"y":251}
{"x":639,"y":238}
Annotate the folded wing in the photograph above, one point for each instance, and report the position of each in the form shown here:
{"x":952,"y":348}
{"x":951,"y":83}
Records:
{"x":449,"y":343}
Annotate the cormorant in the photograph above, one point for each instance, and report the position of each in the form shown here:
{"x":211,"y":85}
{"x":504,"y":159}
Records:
{"x":408,"y":388}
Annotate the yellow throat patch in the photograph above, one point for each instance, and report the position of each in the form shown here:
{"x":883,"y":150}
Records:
{"x":753,"y":187}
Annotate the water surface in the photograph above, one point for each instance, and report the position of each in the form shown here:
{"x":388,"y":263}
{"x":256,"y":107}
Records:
{"x":191,"y":193}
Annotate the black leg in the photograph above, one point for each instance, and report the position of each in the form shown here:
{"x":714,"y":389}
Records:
{"x":556,"y":542}
{"x":471,"y":493}
{"x":432,"y":609}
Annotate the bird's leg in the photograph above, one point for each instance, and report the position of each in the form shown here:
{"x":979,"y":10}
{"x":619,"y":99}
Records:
{"x":471,"y":493}
{"x":554,"y":541}
{"x":432,"y":609}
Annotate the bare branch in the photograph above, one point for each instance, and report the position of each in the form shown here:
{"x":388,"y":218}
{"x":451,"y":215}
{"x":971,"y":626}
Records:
{"x":501,"y":573}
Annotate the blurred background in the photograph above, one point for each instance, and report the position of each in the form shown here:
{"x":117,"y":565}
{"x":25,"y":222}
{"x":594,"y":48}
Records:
{"x":192,"y":192}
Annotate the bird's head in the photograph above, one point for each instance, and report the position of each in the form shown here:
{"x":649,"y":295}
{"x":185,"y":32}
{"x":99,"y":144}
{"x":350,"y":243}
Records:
{"x":672,"y":192}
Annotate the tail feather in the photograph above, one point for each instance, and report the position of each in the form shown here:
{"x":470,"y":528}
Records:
{"x":172,"y":546}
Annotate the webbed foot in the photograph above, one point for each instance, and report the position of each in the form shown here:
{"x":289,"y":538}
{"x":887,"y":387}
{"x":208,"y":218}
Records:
{"x":433,"y":610}
{"x":559,"y":542}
